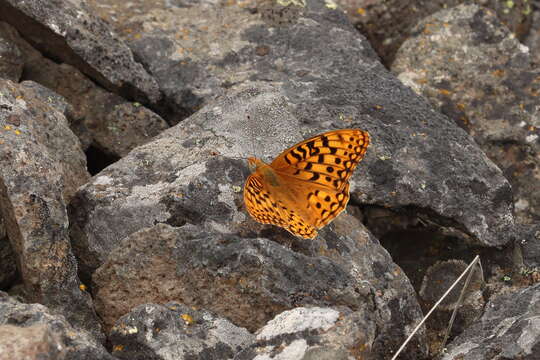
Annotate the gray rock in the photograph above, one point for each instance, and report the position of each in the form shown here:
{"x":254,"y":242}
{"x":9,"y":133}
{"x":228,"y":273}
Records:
{"x":11,"y":59}
{"x":533,"y":38}
{"x":124,"y":127}
{"x":68,"y":32}
{"x":46,"y":95}
{"x":509,"y":329}
{"x":54,"y":133}
{"x":387,"y":23}
{"x":473,"y":69}
{"x":62,"y":79}
{"x":39,"y":160}
{"x":527,"y":248}
{"x":316,"y":334}
{"x":114,"y":127}
{"x":198,"y":50}
{"x":195,"y":172}
{"x":176,"y":332}
{"x":31,"y":331}
{"x":32,"y":342}
{"x":251,"y":280}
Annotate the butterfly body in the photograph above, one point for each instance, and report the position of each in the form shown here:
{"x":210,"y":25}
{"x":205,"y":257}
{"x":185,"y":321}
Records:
{"x":306,"y":186}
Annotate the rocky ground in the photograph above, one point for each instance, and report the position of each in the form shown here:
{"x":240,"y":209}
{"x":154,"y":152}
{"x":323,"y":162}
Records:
{"x":124,"y":133}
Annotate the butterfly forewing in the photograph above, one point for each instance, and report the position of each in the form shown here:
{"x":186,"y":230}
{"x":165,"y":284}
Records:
{"x":327,"y":204}
{"x":328,"y":159}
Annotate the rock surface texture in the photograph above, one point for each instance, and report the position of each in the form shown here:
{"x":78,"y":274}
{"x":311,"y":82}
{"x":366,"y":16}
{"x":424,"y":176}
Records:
{"x":314,"y":333}
{"x":176,"y":332}
{"x":40,"y":165}
{"x":388,"y":23}
{"x":474,"y":70}
{"x":31,"y":331}
{"x":507,"y":330}
{"x":259,"y":278}
{"x":71,"y":34}
{"x":163,"y":102}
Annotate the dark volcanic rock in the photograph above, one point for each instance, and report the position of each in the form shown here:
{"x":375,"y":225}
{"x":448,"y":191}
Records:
{"x":195,"y":172}
{"x":30,"y":331}
{"x":53,"y":131}
{"x":11,"y":59}
{"x":471,"y":67}
{"x":507,"y":330}
{"x":125,"y":127}
{"x":387,"y":23}
{"x":417,"y":159}
{"x":28,"y":343}
{"x":39,"y":160}
{"x":8,"y":265}
{"x":251,"y":280}
{"x":198,"y":50}
{"x":176,"y":332}
{"x":114,"y":126}
{"x":528,"y":247}
{"x":533,"y":38}
{"x":315,"y":333}
{"x":71,"y":34}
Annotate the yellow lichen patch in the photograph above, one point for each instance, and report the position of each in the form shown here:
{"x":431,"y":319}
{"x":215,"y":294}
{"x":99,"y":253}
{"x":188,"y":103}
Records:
{"x":361,"y":11}
{"x":83,"y":287}
{"x":17,"y":132}
{"x":187,"y":319}
{"x":7,"y":127}
{"x":498,"y":73}
{"x":118,"y":348}
{"x":427,"y":27}
{"x":444,"y":92}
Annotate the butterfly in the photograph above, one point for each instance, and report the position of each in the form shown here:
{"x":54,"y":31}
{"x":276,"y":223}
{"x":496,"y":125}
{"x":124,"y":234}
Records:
{"x":307,"y":185}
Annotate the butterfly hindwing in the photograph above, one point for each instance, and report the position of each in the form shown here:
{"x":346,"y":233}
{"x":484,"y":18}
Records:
{"x":328,"y":159}
{"x":264,"y":208}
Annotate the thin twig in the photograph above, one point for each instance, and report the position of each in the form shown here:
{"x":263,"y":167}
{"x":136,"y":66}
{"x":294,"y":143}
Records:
{"x":434,"y":307}
{"x":460,"y":299}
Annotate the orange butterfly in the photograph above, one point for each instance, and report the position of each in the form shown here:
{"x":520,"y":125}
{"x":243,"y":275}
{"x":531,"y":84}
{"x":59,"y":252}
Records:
{"x":306,"y":186}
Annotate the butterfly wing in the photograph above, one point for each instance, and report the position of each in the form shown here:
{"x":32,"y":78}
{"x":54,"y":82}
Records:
{"x":316,"y":204}
{"x":312,"y":187}
{"x":328,"y":159}
{"x":266,"y":208}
